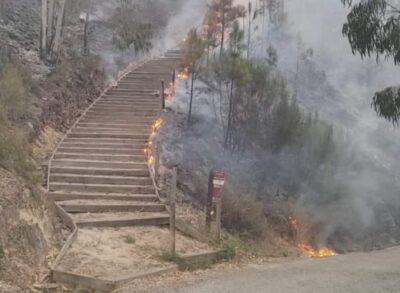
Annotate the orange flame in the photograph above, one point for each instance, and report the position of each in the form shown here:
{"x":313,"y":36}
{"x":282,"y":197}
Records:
{"x":168,"y":92}
{"x":149,"y":147}
{"x":306,"y":248}
{"x":184,"y":74}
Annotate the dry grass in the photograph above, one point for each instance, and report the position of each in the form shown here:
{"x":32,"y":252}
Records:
{"x":262,"y":226}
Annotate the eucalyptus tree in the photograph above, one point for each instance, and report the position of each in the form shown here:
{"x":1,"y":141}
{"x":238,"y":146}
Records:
{"x":193,"y":48}
{"x":373,"y":29}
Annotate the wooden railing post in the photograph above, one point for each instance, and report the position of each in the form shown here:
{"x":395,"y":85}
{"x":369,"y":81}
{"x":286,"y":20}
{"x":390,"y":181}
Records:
{"x":162,"y":95}
{"x":172,"y":206}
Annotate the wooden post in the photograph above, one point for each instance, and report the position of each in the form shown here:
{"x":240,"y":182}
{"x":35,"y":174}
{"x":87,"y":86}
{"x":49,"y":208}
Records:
{"x":173,"y":209}
{"x":218,"y":219}
{"x":162,"y":95}
{"x":173,"y":78}
{"x":43,"y":34}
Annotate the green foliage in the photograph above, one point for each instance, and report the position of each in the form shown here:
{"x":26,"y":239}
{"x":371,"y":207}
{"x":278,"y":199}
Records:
{"x":387,"y":104}
{"x":2,"y":253}
{"x":14,"y":102}
{"x":129,"y":31}
{"x":242,"y":214}
{"x":15,"y":151}
{"x":228,"y":251}
{"x":193,"y":48}
{"x":130,"y":239}
{"x":373,"y":27}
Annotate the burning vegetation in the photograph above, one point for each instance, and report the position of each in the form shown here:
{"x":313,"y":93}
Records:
{"x":149,"y":150}
{"x":303,"y":235}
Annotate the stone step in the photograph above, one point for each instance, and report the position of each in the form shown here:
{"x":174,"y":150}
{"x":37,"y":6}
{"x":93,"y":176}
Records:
{"x":106,"y":206}
{"x":100,"y":179}
{"x":111,"y":188}
{"x":121,"y":219}
{"x":102,"y":157}
{"x":99,"y":164}
{"x":144,"y":172}
{"x":63,"y":196}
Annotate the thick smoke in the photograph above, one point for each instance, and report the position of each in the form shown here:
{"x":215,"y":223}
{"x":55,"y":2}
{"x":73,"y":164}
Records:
{"x":170,"y":19}
{"x":363,"y":201}
{"x":371,"y":173}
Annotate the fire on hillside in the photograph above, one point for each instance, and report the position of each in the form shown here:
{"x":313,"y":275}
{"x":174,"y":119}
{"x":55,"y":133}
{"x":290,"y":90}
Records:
{"x":305,"y":247}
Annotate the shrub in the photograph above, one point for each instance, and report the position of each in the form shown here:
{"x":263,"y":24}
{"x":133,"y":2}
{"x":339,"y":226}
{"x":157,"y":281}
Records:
{"x":15,"y":152}
{"x":243,"y":214}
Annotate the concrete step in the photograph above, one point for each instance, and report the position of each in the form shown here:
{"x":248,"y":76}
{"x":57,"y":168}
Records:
{"x":63,"y":196}
{"x":121,"y":219}
{"x":106,"y":206}
{"x":102,"y":157}
{"x":101,"y":150}
{"x":105,"y":188}
{"x":101,"y":171}
{"x":100,"y":179}
{"x":99,"y":164}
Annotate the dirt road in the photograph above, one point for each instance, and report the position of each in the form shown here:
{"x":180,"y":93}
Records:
{"x":373,"y":272}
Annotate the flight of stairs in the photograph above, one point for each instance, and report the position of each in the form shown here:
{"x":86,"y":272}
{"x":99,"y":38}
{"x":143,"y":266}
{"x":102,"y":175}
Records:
{"x":99,"y":174}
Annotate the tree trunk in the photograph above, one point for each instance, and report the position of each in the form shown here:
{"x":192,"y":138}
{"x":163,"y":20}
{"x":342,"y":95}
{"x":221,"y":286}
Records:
{"x":50,"y":24}
{"x":59,"y":24}
{"x":223,"y":27}
{"x":229,"y":126}
{"x":43,"y":34}
{"x":249,"y":32}
{"x":86,"y":49}
{"x":191,"y":97}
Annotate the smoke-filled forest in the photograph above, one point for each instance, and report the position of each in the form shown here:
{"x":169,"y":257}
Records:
{"x":117,"y":117}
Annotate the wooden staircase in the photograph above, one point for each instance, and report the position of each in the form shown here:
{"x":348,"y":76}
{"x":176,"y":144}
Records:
{"x":99,"y":173}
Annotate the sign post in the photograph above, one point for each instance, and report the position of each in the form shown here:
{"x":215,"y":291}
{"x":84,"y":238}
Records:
{"x":213,"y":212}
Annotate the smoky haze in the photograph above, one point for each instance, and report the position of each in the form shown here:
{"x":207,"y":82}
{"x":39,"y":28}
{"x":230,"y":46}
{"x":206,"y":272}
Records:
{"x":344,"y":100}
{"x":361,"y":198}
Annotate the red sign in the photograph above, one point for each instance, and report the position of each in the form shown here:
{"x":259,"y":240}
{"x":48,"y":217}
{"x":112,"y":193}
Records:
{"x":217,"y":182}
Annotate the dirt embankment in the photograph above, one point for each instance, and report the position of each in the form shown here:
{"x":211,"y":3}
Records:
{"x":30,"y":235}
